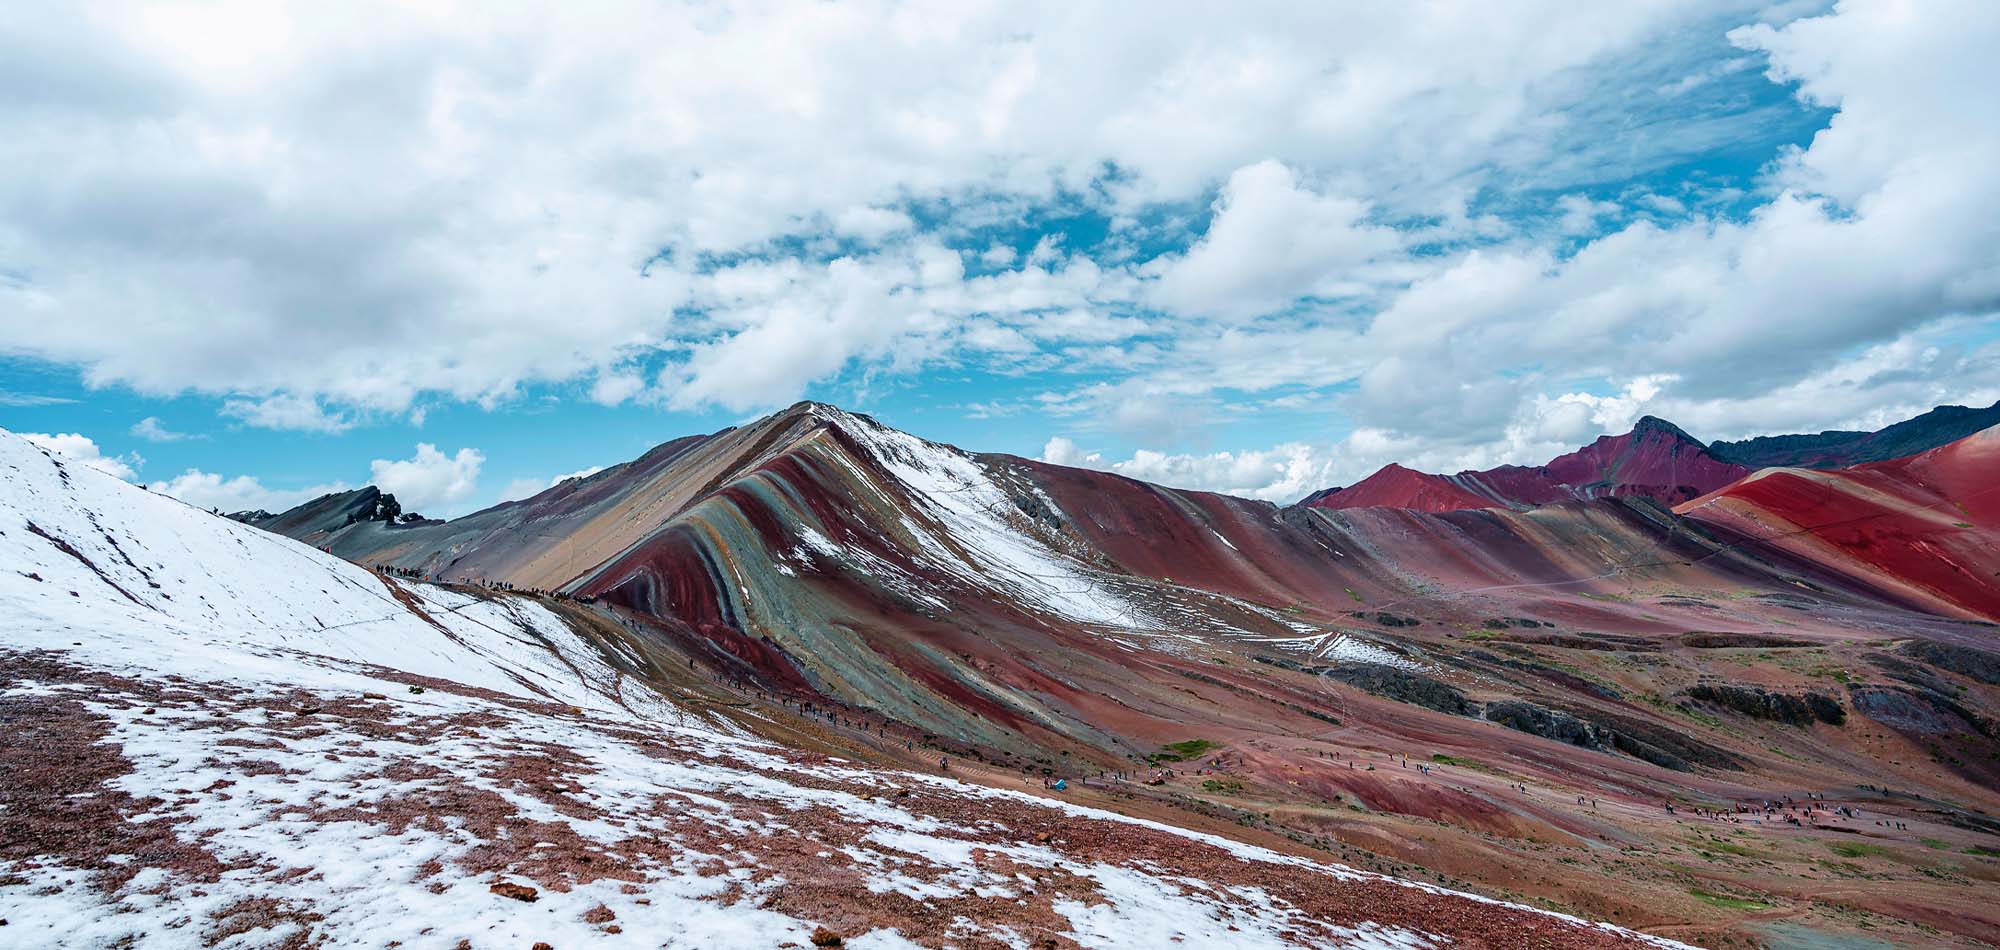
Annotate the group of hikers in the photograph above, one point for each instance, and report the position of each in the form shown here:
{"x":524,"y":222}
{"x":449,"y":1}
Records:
{"x":414,"y":574}
{"x":1786,"y":809}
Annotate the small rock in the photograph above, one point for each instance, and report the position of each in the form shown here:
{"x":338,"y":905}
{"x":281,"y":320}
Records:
{"x":147,"y":711}
{"x":519,"y":892}
{"x":826,"y":938}
{"x":373,"y":696}
{"x":542,"y":945}
{"x":308,"y":710}
{"x":614,"y":929}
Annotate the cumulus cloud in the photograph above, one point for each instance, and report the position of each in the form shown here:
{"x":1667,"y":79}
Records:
{"x":83,"y":450}
{"x":1440,"y":225}
{"x":429,"y":479}
{"x":153,"y":430}
{"x":286,"y":411}
{"x":241,"y":493}
{"x":1282,"y":474}
{"x":1273,"y":240}
{"x":353,"y":233}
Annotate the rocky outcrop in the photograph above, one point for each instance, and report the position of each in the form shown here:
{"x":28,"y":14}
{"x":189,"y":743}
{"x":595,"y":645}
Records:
{"x":1757,"y":703}
{"x":1559,"y":677}
{"x":1606,"y":732}
{"x":1714,"y":640}
{"x":1404,"y":686}
{"x":1547,"y":723}
{"x":1918,"y":710}
{"x":1982,"y":665}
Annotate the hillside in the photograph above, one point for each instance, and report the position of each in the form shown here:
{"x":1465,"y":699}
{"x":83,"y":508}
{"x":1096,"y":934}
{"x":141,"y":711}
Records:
{"x":238,"y":737}
{"x":1655,"y":460}
{"x":1065,"y":622}
{"x":1928,"y":524}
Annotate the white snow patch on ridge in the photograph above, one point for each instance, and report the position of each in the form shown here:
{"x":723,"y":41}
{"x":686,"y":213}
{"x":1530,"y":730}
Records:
{"x":982,"y":541}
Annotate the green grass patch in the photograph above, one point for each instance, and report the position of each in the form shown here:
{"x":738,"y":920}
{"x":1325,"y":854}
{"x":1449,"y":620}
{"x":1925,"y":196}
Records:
{"x":1351,"y":593}
{"x":1183,"y":751}
{"x":1222,"y":785}
{"x":1980,"y":850}
{"x":1730,"y":847}
{"x":1855,"y":849}
{"x":1936,"y":845}
{"x":1726,"y":902}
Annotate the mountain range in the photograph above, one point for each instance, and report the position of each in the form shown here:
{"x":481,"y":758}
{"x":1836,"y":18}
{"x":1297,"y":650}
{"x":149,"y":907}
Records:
{"x":1655,"y":460}
{"x":1604,"y":686}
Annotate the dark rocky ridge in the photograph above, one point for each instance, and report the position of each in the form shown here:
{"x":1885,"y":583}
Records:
{"x":1837,"y":449}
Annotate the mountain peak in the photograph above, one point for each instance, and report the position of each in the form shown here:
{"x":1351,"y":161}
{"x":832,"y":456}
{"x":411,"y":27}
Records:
{"x":1655,"y":425}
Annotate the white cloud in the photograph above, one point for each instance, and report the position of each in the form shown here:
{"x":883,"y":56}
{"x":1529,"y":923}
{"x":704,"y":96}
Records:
{"x":286,"y":411}
{"x":1580,"y":214}
{"x":241,"y":493}
{"x":1273,"y":241}
{"x":1281,"y":474}
{"x":871,"y":224}
{"x":1064,"y":451}
{"x":152,"y":430}
{"x":497,"y":197}
{"x":31,"y":399}
{"x":83,"y":450}
{"x":721,"y":229}
{"x":430,"y":479}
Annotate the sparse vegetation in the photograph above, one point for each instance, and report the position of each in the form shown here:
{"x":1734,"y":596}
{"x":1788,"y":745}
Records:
{"x":1726,"y":902}
{"x":1855,"y":849}
{"x":1183,"y":751}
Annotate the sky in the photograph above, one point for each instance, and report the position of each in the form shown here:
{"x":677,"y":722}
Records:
{"x":253,"y":252}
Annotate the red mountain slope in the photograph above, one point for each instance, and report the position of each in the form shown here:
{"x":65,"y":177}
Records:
{"x":1394,"y":486}
{"x":1655,"y":460}
{"x":1926,"y":527}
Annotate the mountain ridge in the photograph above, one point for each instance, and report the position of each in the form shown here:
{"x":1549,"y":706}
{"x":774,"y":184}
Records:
{"x":1040,"y":619}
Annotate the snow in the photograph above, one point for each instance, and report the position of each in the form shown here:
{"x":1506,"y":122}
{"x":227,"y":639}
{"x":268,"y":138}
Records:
{"x":315,"y":817}
{"x":976,"y":534}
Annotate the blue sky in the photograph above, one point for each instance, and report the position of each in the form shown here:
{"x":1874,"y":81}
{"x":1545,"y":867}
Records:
{"x":251,"y":251}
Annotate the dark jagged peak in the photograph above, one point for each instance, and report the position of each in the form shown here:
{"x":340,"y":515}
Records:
{"x":1656,"y":426}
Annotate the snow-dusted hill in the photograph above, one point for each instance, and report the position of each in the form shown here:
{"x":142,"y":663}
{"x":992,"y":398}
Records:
{"x":215,"y":736}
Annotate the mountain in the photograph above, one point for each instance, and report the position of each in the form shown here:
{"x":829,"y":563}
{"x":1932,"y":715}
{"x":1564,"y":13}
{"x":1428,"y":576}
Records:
{"x":1295,"y":666}
{"x":1838,"y":449}
{"x":1393,"y":486}
{"x":215,"y":731}
{"x":1655,"y":460}
{"x":1928,"y":524}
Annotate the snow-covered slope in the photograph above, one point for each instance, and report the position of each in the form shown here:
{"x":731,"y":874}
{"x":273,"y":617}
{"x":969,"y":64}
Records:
{"x":218,"y":737}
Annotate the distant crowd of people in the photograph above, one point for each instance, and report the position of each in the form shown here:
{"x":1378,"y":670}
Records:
{"x":417,"y":575}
